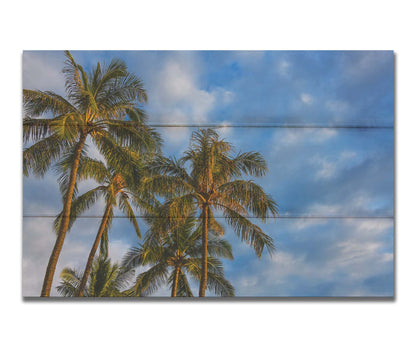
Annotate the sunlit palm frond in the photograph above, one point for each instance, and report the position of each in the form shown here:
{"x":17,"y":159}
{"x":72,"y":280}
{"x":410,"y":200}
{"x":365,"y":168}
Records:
{"x":37,"y":103}
{"x":169,"y":166}
{"x":93,"y":169}
{"x":137,"y":137}
{"x":79,"y":205}
{"x":64,"y":167}
{"x":249,"y":195}
{"x":121,"y":86}
{"x":125,"y":206}
{"x":104,"y":239}
{"x":250,"y":163}
{"x":116,"y":156}
{"x":38,"y":158}
{"x":68,"y":126}
{"x":35,"y":129}
{"x":107,"y":280}
{"x":219,"y":285}
{"x":70,"y":280}
{"x":149,"y":281}
{"x":166,"y":186}
{"x":220,"y":248}
{"x":249,"y":232}
{"x":73,"y":84}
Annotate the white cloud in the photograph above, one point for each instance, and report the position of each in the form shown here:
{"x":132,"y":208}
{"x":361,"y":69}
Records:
{"x":357,"y":253}
{"x":42,"y":71}
{"x":365,"y":64}
{"x":359,"y":204}
{"x":177,"y":96}
{"x":283,"y":67}
{"x":306,"y":98}
{"x":176,"y":82}
{"x":226,"y":130}
{"x":303,"y":223}
{"x":292,"y":136}
{"x":339,"y":107}
{"x":297,"y":137}
{"x":223,"y":96}
{"x":320,"y":209}
{"x":328,"y":167}
{"x":322,"y":135}
{"x":38,"y":241}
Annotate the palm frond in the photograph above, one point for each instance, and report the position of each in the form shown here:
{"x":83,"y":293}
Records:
{"x":250,"y":163}
{"x":73,"y":83}
{"x":220,"y":248}
{"x":149,"y":281}
{"x":35,"y":129}
{"x":92,"y":169}
{"x":79,"y":205}
{"x":116,"y":156}
{"x":166,"y":186}
{"x":125,"y":206}
{"x":70,"y":281}
{"x":249,"y":232}
{"x":68,"y":126}
{"x":219,"y":285}
{"x":183,"y":289}
{"x":130,"y":134}
{"x":37,"y":103}
{"x":39,"y":157}
{"x":104,"y":239}
{"x":249,"y":195}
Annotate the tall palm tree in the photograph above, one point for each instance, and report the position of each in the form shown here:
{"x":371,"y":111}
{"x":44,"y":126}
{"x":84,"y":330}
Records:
{"x":215,"y":183}
{"x":119,"y":189}
{"x":175,"y":254}
{"x":106,"y":280}
{"x":101,"y":105}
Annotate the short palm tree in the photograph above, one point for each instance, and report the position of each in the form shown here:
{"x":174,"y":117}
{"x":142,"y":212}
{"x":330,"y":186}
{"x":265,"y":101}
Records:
{"x":215,"y":183}
{"x":119,"y":189}
{"x":106,"y":280}
{"x":175,"y":254}
{"x":102,"y":106}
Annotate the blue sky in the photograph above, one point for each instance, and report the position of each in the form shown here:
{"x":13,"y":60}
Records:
{"x":312,"y":171}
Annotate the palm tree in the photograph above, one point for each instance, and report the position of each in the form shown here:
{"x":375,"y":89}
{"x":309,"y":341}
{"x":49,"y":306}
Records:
{"x":100,"y":105}
{"x":118,"y":188}
{"x":214,"y":183}
{"x":175,"y":253}
{"x":106,"y":280}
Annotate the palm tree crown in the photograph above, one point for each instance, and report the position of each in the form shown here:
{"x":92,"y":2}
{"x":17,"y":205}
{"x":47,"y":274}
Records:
{"x":175,"y":252}
{"x":214,"y":183}
{"x":107,"y":280}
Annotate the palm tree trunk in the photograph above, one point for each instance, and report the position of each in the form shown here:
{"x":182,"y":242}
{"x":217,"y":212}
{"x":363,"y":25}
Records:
{"x":204,"y":268}
{"x":66,"y":211}
{"x":104,"y":221}
{"x":175,"y":282}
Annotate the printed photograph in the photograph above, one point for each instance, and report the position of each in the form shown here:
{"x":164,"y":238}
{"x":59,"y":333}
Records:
{"x":221,"y":174}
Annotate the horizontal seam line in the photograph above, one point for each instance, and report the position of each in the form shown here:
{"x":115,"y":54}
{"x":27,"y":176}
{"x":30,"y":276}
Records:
{"x":287,"y":126}
{"x":272,"y":126}
{"x":280,"y":217}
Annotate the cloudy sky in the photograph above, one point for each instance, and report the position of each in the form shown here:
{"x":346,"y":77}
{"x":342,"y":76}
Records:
{"x":324,"y":171}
